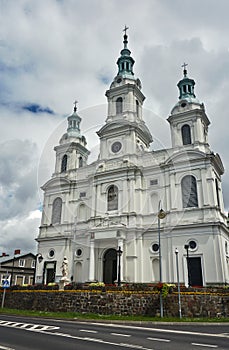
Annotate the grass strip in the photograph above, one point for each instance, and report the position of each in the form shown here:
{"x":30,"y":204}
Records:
{"x":87,"y":316}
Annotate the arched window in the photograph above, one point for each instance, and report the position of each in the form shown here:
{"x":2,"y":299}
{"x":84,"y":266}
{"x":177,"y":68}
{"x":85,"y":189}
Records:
{"x":189,"y":191}
{"x":78,"y":272}
{"x":80,"y":162}
{"x":155,"y":270}
{"x":137,"y":108}
{"x":64,"y":163}
{"x":119,"y":105}
{"x":82,"y":212}
{"x":56,"y":210}
{"x":186,"y":134}
{"x":112,"y":198}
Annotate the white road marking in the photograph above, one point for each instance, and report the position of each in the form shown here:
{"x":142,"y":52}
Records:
{"x":96,"y":340}
{"x":5,"y":348}
{"x":205,"y":345}
{"x":88,"y":331}
{"x":133,"y":346}
{"x":121,"y":335}
{"x":27,"y":326}
{"x":174,"y":331}
{"x":160,"y":339}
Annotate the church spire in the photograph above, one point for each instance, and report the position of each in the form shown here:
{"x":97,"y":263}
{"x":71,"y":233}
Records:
{"x":74,"y":121}
{"x":186,"y":85}
{"x":125,"y":62}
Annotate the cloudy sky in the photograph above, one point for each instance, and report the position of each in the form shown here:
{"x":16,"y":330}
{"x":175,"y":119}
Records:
{"x":55,"y":51}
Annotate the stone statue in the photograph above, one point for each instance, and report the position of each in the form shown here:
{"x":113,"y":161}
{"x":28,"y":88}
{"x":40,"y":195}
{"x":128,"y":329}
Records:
{"x":65,"y":267}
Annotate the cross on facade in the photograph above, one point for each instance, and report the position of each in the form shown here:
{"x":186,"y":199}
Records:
{"x":125,"y":29}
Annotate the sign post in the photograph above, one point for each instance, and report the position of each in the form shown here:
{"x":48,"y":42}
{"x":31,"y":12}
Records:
{"x":5,"y":285}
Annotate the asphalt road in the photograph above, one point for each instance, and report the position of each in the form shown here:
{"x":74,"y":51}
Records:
{"x":23,"y":333}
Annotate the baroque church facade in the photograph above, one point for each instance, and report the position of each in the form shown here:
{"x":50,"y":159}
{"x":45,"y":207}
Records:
{"x":124,"y":215}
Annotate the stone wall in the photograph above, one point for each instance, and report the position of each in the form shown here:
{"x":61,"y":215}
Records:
{"x":118,"y":303}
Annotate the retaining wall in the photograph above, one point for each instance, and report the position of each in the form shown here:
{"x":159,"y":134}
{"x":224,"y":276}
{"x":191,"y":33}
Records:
{"x":119,"y":303}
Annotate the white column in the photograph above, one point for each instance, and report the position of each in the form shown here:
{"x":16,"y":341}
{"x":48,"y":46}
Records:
{"x":94,"y":199}
{"x":92,"y":259}
{"x":173,"y":191}
{"x":132,"y":195}
{"x":140,"y":260}
{"x":138,"y":194}
{"x":205,"y":188}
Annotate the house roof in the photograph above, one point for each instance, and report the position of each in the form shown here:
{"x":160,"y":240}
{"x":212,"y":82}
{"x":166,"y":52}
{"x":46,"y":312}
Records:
{"x":6,"y":260}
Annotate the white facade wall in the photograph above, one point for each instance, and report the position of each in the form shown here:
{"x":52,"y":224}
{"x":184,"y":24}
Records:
{"x":89,"y":234}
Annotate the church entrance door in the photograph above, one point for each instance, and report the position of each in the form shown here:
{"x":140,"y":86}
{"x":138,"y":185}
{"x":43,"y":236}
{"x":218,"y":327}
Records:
{"x":110,"y":266}
{"x":49,"y":272}
{"x":195,"y":272}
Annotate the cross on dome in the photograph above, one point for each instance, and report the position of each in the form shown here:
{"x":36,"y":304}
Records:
{"x":75,"y":107}
{"x":125,"y":29}
{"x":184,"y":65}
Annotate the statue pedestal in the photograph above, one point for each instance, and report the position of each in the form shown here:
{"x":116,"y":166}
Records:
{"x":63,"y":282}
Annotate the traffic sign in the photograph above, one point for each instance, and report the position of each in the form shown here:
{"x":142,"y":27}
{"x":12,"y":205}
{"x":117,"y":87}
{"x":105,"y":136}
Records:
{"x":6,"y":282}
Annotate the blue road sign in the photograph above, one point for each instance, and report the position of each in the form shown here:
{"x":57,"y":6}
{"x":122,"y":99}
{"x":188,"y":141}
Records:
{"x":5,"y":283}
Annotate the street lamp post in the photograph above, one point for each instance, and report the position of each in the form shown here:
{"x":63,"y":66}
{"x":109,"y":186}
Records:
{"x":161,"y":215}
{"x":38,"y":257}
{"x":186,"y":246}
{"x":178,"y":283}
{"x":119,"y":253}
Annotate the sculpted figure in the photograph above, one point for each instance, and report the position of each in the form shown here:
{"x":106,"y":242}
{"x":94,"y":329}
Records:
{"x":65,"y":267}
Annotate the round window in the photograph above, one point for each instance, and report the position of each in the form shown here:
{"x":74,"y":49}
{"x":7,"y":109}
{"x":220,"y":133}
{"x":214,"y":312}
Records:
{"x":116,"y":146}
{"x":155,"y":247}
{"x":51,"y":253}
{"x":79,"y":252}
{"x":192,"y":245}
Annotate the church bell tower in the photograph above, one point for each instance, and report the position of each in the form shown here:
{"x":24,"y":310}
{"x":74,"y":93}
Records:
{"x":71,"y":153}
{"x":125,"y":131}
{"x":188,"y":120}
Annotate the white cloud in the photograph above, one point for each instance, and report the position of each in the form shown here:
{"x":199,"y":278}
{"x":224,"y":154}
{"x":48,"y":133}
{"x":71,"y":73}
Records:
{"x":53,"y":52}
{"x":19,"y":233}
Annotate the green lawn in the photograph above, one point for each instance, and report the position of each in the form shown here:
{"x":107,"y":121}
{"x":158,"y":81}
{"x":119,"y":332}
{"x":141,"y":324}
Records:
{"x":82,"y":316}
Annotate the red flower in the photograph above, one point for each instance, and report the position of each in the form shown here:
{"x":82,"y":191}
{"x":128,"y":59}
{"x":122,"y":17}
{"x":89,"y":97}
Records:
{"x":159,"y":286}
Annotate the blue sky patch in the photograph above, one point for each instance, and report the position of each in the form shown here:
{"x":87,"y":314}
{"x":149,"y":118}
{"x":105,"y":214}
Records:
{"x":36,"y":108}
{"x":104,"y":79}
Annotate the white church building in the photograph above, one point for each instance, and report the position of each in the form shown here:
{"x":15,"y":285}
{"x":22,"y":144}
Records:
{"x":92,"y":210}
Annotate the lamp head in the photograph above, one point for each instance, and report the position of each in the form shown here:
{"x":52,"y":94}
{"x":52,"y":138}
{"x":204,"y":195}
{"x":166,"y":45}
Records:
{"x":161,"y":214}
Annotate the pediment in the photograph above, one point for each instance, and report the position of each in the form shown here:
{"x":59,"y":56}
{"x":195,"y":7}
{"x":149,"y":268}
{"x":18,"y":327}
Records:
{"x":120,"y":126}
{"x":180,"y":156}
{"x":218,"y":163}
{"x":56,"y":182}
